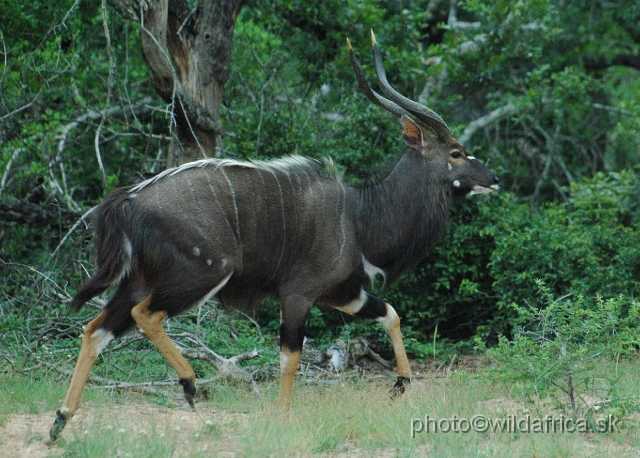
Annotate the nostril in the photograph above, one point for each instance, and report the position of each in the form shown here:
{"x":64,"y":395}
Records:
{"x":496,"y":180}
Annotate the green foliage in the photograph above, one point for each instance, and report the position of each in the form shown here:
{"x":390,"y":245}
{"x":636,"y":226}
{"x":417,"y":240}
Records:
{"x":568,"y":214}
{"x":559,"y":349}
{"x":509,"y":39}
{"x":586,"y":246}
{"x":497,"y":247}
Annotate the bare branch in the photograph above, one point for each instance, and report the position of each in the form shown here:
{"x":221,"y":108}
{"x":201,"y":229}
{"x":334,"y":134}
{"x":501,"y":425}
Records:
{"x":73,"y":228}
{"x":599,"y":106}
{"x":112,"y":70}
{"x":226,"y":367}
{"x":25,"y":212}
{"x":592,"y":63}
{"x":453,"y":23}
{"x":21,"y":109}
{"x":485,"y":121}
{"x":5,"y":176}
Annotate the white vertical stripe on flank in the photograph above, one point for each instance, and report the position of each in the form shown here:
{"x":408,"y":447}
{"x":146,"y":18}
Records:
{"x":284,"y":225}
{"x":235,"y":205}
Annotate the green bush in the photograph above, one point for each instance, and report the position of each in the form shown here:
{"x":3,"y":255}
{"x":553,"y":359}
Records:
{"x":497,"y":247}
{"x":564,"y":348}
{"x":588,"y":246}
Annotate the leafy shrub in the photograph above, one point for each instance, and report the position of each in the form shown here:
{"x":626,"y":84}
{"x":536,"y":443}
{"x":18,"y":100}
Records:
{"x":587,"y":246}
{"x":496,"y":248}
{"x":559,"y":350}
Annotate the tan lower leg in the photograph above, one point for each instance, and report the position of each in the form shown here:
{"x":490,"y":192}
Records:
{"x":91,"y":347}
{"x":391,"y":322}
{"x":88,"y":355}
{"x":151,"y":324}
{"x":289,"y":361}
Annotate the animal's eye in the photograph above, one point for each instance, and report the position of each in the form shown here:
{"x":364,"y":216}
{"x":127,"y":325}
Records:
{"x":455,"y":154}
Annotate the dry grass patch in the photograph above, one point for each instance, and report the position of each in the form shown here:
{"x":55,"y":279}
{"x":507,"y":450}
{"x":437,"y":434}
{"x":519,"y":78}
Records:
{"x":347,"y":419}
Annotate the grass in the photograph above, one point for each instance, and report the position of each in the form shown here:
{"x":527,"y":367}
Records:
{"x":346,"y":419}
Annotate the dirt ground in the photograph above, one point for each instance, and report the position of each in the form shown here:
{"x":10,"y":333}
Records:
{"x":27,"y":435}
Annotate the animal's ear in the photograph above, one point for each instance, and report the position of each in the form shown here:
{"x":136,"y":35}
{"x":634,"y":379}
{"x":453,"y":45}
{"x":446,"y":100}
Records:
{"x":412,"y":134}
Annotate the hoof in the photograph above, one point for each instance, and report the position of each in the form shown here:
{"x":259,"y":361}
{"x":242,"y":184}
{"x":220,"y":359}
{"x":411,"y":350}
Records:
{"x":189,"y":391}
{"x":58,"y":425}
{"x":400,"y":386}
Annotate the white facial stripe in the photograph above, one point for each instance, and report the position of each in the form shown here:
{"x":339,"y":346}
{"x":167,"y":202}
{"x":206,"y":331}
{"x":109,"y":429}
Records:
{"x":471,"y":158}
{"x":456,"y":183}
{"x":449,"y":166}
{"x":102,"y":339}
{"x":355,"y":305}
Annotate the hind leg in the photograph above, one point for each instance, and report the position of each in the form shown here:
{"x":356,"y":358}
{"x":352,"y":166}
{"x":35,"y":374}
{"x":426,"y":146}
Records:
{"x":151,"y":324}
{"x":114,"y":320}
{"x":93,"y":341}
{"x":151,"y":312}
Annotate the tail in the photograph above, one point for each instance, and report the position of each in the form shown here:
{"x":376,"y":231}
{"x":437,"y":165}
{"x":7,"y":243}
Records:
{"x":113,"y":248}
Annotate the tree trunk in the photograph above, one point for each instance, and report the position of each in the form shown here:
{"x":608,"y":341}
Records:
{"x":189,"y":54}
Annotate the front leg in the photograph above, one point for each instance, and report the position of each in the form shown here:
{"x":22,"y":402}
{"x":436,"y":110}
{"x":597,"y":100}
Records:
{"x":391,"y":322}
{"x":294,"y":314}
{"x":368,"y":306}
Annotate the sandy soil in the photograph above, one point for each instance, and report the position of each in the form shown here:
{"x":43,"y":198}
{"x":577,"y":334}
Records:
{"x":27,"y":435}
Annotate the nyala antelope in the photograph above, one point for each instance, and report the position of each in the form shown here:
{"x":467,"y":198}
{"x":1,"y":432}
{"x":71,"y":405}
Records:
{"x":288,"y":228}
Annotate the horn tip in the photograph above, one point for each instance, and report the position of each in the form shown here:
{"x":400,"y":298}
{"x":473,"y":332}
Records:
{"x":373,"y":38}
{"x":349,"y":45}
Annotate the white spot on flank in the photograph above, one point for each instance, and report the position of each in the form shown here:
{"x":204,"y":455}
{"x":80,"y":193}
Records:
{"x":103,"y":338}
{"x":196,"y":251}
{"x":209,"y":262}
{"x":456,"y":183}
